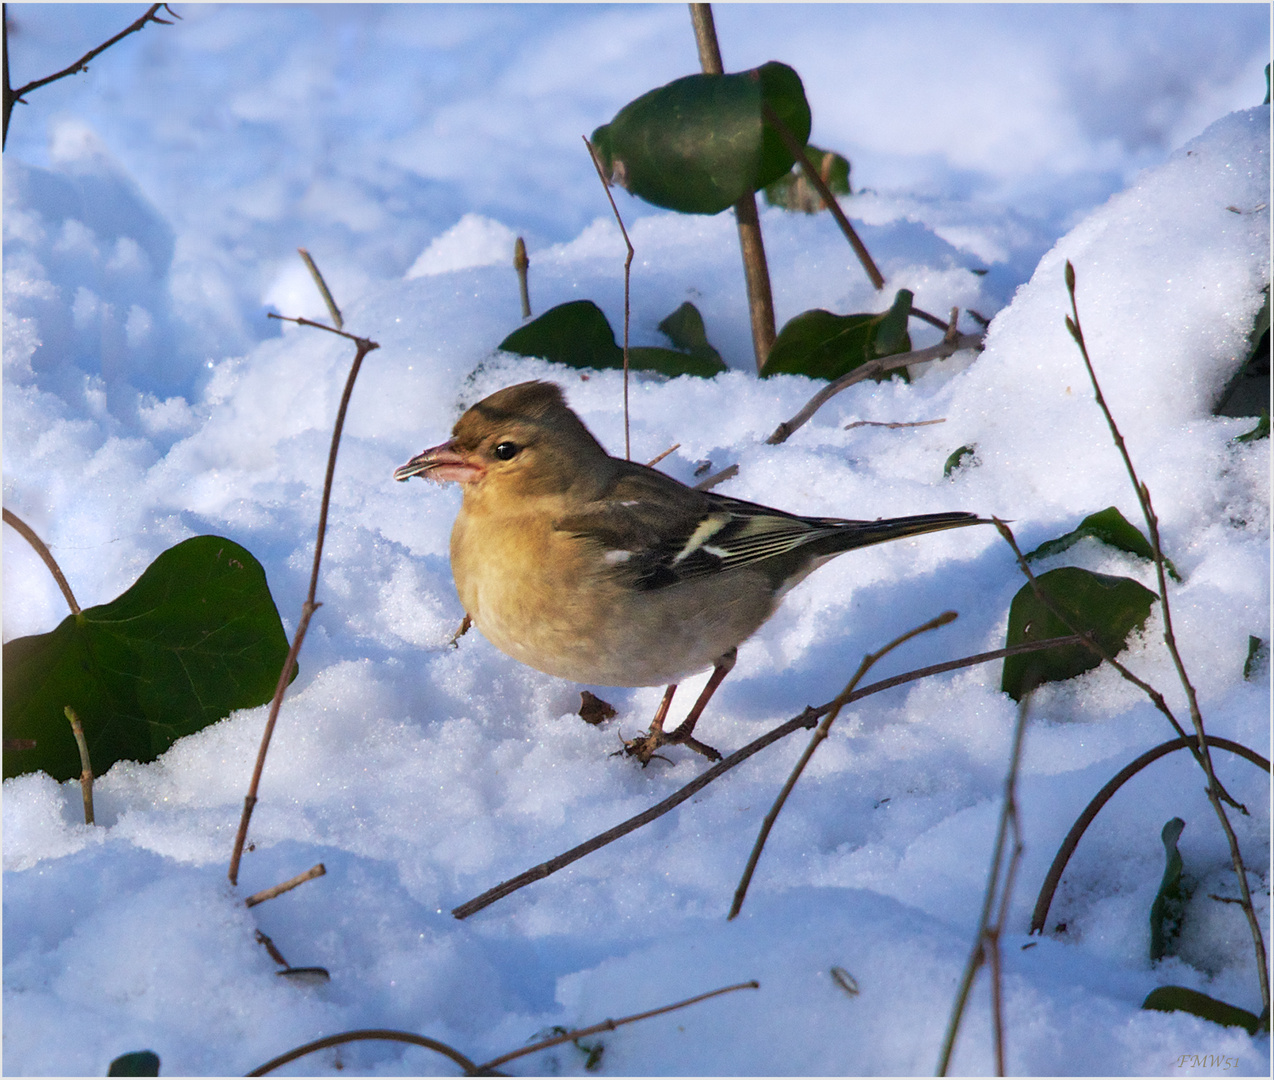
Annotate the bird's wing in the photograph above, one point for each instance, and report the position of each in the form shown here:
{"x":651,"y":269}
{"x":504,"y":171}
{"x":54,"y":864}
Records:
{"x":658,"y":532}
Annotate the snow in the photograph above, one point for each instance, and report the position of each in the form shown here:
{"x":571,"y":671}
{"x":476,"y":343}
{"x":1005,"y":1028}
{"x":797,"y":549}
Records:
{"x":152,"y":208}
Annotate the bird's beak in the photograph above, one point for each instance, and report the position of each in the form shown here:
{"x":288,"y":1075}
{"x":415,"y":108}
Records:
{"x":441,"y":463}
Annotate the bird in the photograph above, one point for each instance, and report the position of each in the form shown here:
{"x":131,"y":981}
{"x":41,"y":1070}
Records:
{"x":608,"y":572}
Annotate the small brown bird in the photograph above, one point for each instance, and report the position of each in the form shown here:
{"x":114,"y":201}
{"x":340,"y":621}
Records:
{"x":603,"y":571}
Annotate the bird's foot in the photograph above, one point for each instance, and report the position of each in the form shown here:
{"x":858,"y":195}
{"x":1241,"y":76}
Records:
{"x":644,"y":746}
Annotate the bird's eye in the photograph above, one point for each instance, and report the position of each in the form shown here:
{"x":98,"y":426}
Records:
{"x":506,"y":450}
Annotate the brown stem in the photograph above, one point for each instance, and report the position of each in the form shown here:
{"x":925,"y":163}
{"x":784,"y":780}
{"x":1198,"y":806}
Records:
{"x":807,"y":719}
{"x":521,"y":264}
{"x":611,"y":1025}
{"x":1039,"y":917}
{"x":628,"y":263}
{"x":797,"y":151}
{"x":11,"y":97}
{"x":364,"y":346}
{"x":376,"y":1034}
{"x":28,"y":534}
{"x":819,"y":735}
{"x":869,"y":370}
{"x":86,"y":766}
{"x":324,"y":291}
{"x":755,"y":269}
{"x":1215,"y":791}
{"x":318,"y":870}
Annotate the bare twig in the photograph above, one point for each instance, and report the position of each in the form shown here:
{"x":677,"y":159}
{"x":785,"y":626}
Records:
{"x":611,"y":1025}
{"x":709,"y":482}
{"x":363,"y":347}
{"x":628,"y":264}
{"x":326,"y":293}
{"x":1000,"y":877}
{"x":1039,"y":917}
{"x":895,"y":424}
{"x":1214,"y":790}
{"x":28,"y":534}
{"x":755,"y":270}
{"x":318,"y":870}
{"x":869,"y":370}
{"x":659,"y":457}
{"x":807,"y":719}
{"x":521,"y":263}
{"x":12,"y":97}
{"x":819,"y":735}
{"x":369,"y":1034}
{"x":86,"y":766}
{"x":797,"y":151}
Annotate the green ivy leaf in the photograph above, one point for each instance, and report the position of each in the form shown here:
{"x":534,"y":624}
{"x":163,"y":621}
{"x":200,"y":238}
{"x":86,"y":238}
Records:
{"x":138,"y":1063}
{"x":685,"y":329}
{"x":699,"y":144}
{"x":1183,"y":999}
{"x":1111,"y":528}
{"x":793,"y":191}
{"x":1261,"y":431}
{"x":195,"y":637}
{"x":825,"y":346}
{"x":1168,"y":909}
{"x":956,"y":460}
{"x":1257,"y":651}
{"x":1248,"y":391}
{"x":1108,"y":607}
{"x":579,"y":335}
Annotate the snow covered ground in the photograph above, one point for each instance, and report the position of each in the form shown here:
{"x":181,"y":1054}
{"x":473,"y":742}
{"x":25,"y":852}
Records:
{"x":152,"y":211}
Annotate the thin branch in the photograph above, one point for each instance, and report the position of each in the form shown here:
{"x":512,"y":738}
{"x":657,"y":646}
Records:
{"x":659,"y":457}
{"x":869,"y":370}
{"x":1039,"y":917}
{"x":369,"y":1034}
{"x":895,"y":424}
{"x":819,"y":735}
{"x":611,"y":1025}
{"x":628,"y":264}
{"x":806,"y":720}
{"x":1214,"y":789}
{"x":11,"y":97}
{"x":709,"y":482}
{"x":86,"y":765}
{"x":364,"y":346}
{"x":28,"y":534}
{"x":326,"y":293}
{"x":521,"y":264}
{"x":797,"y":151}
{"x":318,"y":870}
{"x":755,"y":270}
{"x":999,"y":881}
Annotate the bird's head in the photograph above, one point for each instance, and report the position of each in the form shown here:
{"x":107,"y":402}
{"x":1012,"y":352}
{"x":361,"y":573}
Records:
{"x":523,"y":436}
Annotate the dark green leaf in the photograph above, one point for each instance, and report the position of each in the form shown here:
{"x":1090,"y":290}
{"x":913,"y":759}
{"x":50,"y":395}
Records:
{"x":699,"y":144}
{"x":1257,"y":651}
{"x":579,"y":335}
{"x":794,"y":190}
{"x":196,"y":637}
{"x":1110,"y":527}
{"x":138,"y":1063}
{"x":576,"y":333}
{"x":685,"y":329}
{"x":1248,"y":391}
{"x":1261,"y":431}
{"x":1169,"y":907}
{"x":825,"y":346}
{"x":956,"y":460}
{"x":1183,"y":999}
{"x":1108,"y":607}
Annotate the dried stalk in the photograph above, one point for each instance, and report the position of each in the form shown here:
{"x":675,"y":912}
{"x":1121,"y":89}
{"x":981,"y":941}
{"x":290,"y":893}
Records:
{"x":628,"y":264}
{"x":1214,"y":790}
{"x":1000,"y":878}
{"x":318,"y":870}
{"x":363,"y":347}
{"x":12,"y":97}
{"x":807,"y":719}
{"x":869,"y":370}
{"x":819,"y":735}
{"x":324,"y":291}
{"x":28,"y":534}
{"x":521,"y":264}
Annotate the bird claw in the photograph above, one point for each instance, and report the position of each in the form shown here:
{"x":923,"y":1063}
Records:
{"x":644,"y":746}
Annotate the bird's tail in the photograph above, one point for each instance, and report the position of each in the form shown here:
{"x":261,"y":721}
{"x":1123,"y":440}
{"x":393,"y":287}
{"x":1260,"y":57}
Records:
{"x":848,"y":535}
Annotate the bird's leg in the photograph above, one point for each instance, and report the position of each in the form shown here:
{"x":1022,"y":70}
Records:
{"x":645,"y":746}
